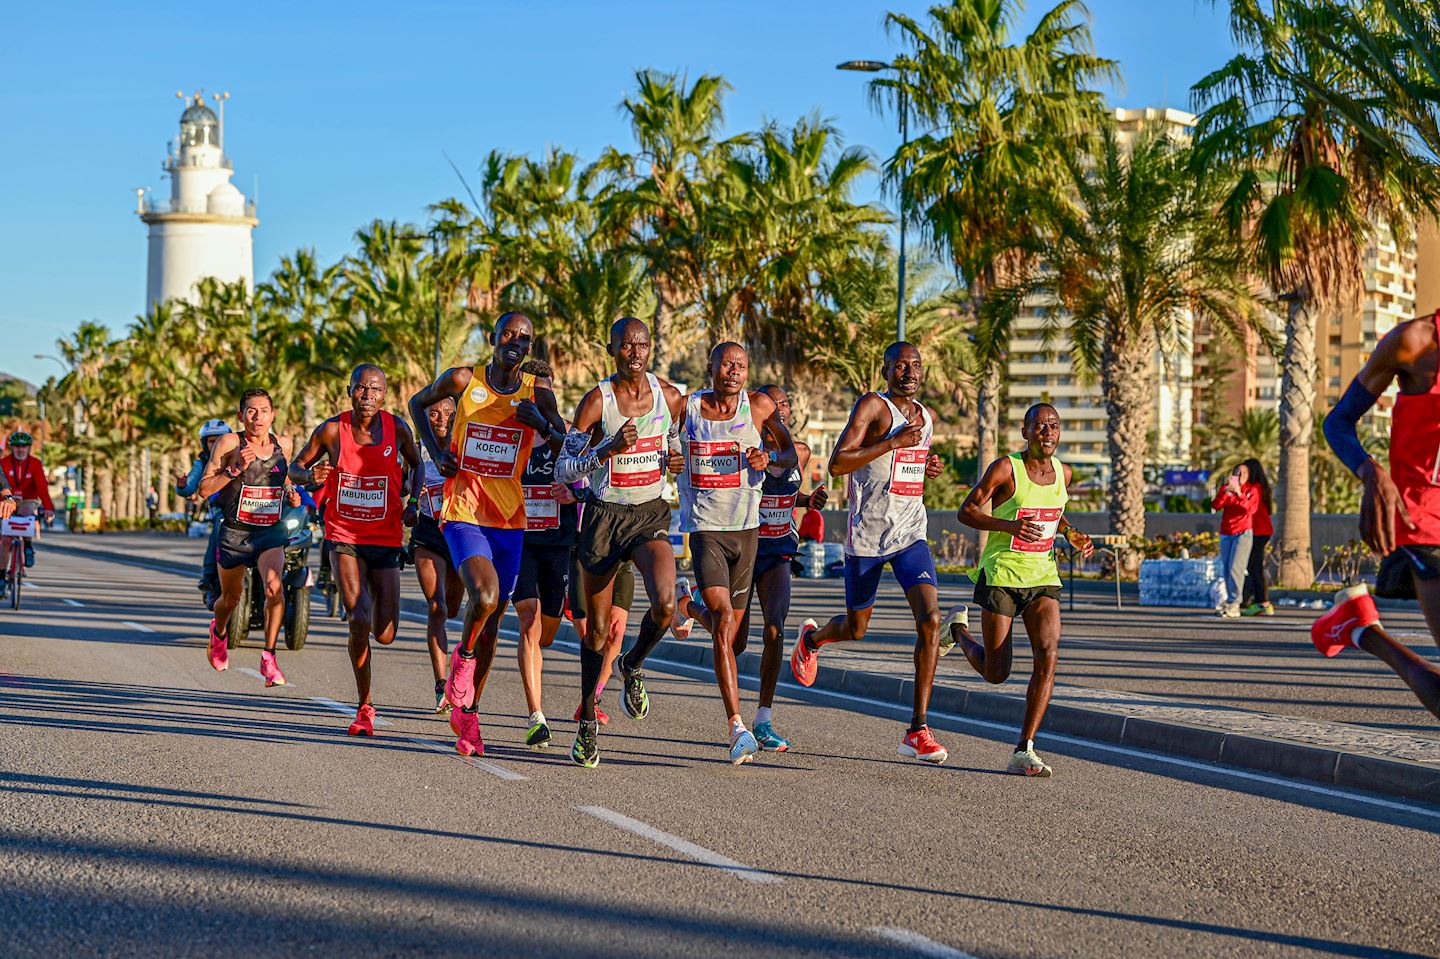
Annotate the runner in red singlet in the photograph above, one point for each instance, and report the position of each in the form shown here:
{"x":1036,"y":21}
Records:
{"x":366,"y":486}
{"x":1400,"y":510}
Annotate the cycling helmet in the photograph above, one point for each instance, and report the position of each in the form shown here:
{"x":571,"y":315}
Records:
{"x":19,"y":438}
{"x":214,"y":428}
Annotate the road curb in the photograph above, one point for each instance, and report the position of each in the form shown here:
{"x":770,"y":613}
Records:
{"x":1260,"y":754}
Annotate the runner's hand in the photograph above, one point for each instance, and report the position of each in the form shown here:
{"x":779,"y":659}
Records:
{"x":934,"y":466}
{"x":321,"y":472}
{"x":529,"y":415}
{"x":1027,"y":531}
{"x":626,"y":438}
{"x":1380,"y":505}
{"x":757,"y":458}
{"x":447,"y":464}
{"x":1080,"y":541}
{"x":911,"y":435}
{"x":675,"y":462}
{"x":245,"y":455}
{"x":563,"y":494}
{"x":292,"y":496}
{"x":819,"y":496}
{"x":411,"y":515}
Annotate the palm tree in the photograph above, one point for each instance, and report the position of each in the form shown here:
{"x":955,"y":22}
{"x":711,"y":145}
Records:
{"x":1307,"y":192}
{"x":1001,"y":115}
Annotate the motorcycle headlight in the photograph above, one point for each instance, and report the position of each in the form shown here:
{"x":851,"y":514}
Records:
{"x":291,"y":523}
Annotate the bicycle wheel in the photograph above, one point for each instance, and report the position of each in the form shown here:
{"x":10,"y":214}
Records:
{"x":17,"y":573}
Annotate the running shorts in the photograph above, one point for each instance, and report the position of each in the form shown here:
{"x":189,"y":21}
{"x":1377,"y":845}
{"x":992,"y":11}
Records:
{"x":622,"y":595}
{"x":243,"y":547}
{"x":725,"y":559}
{"x":1010,"y":601}
{"x":544,"y":575}
{"x":374,"y":557}
{"x":611,"y":532}
{"x":426,"y":533}
{"x":911,"y":566}
{"x":1400,"y":569}
{"x":764,"y":564}
{"x":502,"y":547}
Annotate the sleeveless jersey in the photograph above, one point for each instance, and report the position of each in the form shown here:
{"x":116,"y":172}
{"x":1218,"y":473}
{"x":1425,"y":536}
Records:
{"x":254,"y":499}
{"x":548,"y":522}
{"x":491,"y":446}
{"x":886,"y":495}
{"x":1415,"y":461}
{"x":363,"y":506}
{"x":1007,"y":561}
{"x":432,"y":493}
{"x":778,"y":535}
{"x":718,"y":489}
{"x":637,"y":475}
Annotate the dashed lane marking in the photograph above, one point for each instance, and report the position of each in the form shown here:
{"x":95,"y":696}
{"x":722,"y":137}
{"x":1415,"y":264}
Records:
{"x":683,"y":846}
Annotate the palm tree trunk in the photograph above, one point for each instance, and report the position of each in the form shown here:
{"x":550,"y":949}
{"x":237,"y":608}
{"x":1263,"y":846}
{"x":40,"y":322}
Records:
{"x":987,"y":406}
{"x":661,"y":328}
{"x":1297,"y":415}
{"x":107,"y":491}
{"x":163,"y":485}
{"x":1125,"y":382}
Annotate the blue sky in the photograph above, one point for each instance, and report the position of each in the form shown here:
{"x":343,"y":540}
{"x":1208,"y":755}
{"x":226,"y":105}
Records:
{"x":342,"y":111}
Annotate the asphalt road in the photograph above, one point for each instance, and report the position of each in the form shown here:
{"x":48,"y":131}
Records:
{"x":150,"y":806}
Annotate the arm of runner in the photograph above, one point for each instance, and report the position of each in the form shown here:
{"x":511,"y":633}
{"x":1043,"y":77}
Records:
{"x":410,"y":453}
{"x":580,"y":455}
{"x":999,"y":477}
{"x":302,"y":468}
{"x":817,"y":497}
{"x":553,"y":429}
{"x":850,"y":451}
{"x":1073,"y":536}
{"x":767,"y":416}
{"x":219,"y":472}
{"x":452,"y":384}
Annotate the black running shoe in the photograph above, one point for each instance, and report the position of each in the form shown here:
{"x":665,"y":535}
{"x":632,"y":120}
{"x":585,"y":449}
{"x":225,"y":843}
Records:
{"x":539,"y":736}
{"x":586,"y":751}
{"x":635,"y":700}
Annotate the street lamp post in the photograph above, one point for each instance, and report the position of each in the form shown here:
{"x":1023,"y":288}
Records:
{"x":877,"y":66}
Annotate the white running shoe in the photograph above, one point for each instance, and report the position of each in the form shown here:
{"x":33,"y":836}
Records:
{"x":1027,"y":762}
{"x":954,"y":616}
{"x":681,"y":630}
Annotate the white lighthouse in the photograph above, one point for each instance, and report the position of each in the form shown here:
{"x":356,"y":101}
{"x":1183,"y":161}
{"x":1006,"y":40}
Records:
{"x":204,"y":229}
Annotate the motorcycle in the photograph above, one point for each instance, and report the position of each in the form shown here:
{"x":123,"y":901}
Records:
{"x":296,"y":579}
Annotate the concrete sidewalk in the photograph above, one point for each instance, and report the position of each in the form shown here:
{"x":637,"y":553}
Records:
{"x":1161,"y":680}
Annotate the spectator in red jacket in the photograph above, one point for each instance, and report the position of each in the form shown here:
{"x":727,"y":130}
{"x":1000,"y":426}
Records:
{"x":1236,"y":502}
{"x":1257,"y":591}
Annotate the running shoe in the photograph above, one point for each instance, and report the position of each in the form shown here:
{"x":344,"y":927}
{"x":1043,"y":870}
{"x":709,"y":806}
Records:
{"x":635,"y":700}
{"x":600,"y":716}
{"x":804,"y":661}
{"x":921,"y":745}
{"x":682,"y":596}
{"x":954,"y":616}
{"x":1229,"y":612}
{"x":466,"y":726}
{"x":460,"y":687}
{"x":539,"y":735}
{"x":1258,"y":609}
{"x":743,"y":747}
{"x":218,"y":654}
{"x":364,"y":724}
{"x":442,"y":705}
{"x":1027,"y":762}
{"x":586,"y":751}
{"x":1353,"y":609}
{"x":270,"y":669}
{"x":769,"y":739}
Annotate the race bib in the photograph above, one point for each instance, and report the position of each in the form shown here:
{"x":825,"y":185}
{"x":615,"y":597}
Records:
{"x":1046,"y":516}
{"x":776,"y":516}
{"x":490,"y":450}
{"x":907,"y":474}
{"x":259,"y":505}
{"x":641,"y":465}
{"x":542,"y":509}
{"x":361,"y":498}
{"x":432,"y":499}
{"x":714,"y":465}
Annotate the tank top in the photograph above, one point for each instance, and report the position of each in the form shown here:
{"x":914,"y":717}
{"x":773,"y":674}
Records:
{"x":491,"y":447}
{"x":778,"y":535}
{"x":363,"y":505}
{"x":432,"y":492}
{"x":718,"y":489}
{"x":254,"y":499}
{"x":637,"y":475}
{"x":887,"y":494}
{"x":1415,"y":461}
{"x":548,"y":522}
{"x":1008,"y":562}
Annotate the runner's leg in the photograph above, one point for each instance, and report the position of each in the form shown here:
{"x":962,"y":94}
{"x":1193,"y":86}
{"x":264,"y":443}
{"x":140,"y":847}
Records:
{"x":232,"y":584}
{"x":774,"y":592}
{"x":924,"y":603}
{"x":353,"y":577}
{"x":385,"y":604}
{"x":993,"y":659}
{"x":271,"y":565}
{"x":1042,"y":623}
{"x":598,"y":588}
{"x":431,"y":571}
{"x":655,"y":560}
{"x":1422,"y":676}
{"x":528,"y":651}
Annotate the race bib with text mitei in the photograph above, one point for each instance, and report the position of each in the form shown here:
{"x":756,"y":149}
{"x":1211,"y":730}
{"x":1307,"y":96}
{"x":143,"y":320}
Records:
{"x":714,"y":465}
{"x":907,"y":474}
{"x":542,"y":509}
{"x":777,"y":515}
{"x":361,"y":498}
{"x":1049,"y":518}
{"x":490,"y":450}
{"x":434,"y":499}
{"x":640,"y":465}
{"x":259,"y":505}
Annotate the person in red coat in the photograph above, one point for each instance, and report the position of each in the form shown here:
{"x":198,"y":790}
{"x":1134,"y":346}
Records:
{"x":1236,"y":502}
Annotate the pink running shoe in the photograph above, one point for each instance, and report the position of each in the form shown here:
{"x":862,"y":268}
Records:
{"x":270,"y":669}
{"x":218,"y":653}
{"x":467,"y":733}
{"x":804,"y":661}
{"x":1353,"y":609}
{"x":364,"y":724}
{"x":600,"y":716}
{"x":460,"y":687}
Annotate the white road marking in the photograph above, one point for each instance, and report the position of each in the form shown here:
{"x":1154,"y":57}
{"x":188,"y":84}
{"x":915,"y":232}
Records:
{"x":489,"y":767}
{"x":347,"y":710}
{"x":923,"y":945}
{"x":72,"y":602}
{"x":683,"y":846}
{"x":31,"y":584}
{"x":251,"y":672}
{"x":136,"y":626}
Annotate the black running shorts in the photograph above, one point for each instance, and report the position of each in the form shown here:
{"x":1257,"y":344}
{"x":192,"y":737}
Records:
{"x":622,"y":594}
{"x":725,"y":559}
{"x":544,"y":575}
{"x":243,"y":547}
{"x":374,"y":557}
{"x":611,"y":532}
{"x":1399,"y":570}
{"x":426,"y":533}
{"x":1010,"y":600}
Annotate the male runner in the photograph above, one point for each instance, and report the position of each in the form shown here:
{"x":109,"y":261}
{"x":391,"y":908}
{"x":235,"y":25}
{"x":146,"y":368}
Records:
{"x":25,"y":475}
{"x":430,"y":555}
{"x":552,"y":524}
{"x":1018,"y":575}
{"x":884,"y":452}
{"x":721,"y":489}
{"x":622,"y":597}
{"x":365,"y":487}
{"x":499,"y":416}
{"x":248,"y":477}
{"x":619,"y":441}
{"x":779,"y":543}
{"x":1400,"y":510}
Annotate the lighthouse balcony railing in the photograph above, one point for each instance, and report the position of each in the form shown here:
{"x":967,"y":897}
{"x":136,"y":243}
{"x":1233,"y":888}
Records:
{"x":152,"y":204}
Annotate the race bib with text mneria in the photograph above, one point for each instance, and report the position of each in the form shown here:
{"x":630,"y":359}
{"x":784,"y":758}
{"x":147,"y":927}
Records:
{"x":490,"y":450}
{"x":777,"y":515}
{"x":542,"y":509}
{"x":259,"y":505}
{"x":907,"y":474}
{"x":361,"y":498}
{"x":714,"y":465}
{"x":1046,"y":516}
{"x":638,"y":466}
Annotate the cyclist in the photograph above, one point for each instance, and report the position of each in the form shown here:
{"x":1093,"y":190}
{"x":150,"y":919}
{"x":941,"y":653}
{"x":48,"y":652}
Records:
{"x":188,"y":485}
{"x":25,"y":478}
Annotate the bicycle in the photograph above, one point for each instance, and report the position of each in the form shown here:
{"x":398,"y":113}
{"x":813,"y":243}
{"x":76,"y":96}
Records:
{"x":18,"y":528}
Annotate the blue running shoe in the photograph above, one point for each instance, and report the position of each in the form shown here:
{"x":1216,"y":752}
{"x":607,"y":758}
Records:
{"x":769,"y":739}
{"x":743,"y":748}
